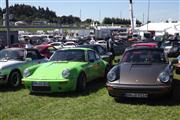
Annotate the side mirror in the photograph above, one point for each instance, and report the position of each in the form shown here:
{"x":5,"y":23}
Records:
{"x":175,"y":61}
{"x":109,"y":53}
{"x":91,"y":60}
{"x":28,"y":59}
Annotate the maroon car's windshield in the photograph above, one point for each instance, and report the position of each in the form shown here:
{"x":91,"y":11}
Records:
{"x":144,"y":56}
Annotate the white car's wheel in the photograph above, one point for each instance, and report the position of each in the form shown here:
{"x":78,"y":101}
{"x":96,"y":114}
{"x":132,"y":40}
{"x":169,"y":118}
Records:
{"x":14,"y":79}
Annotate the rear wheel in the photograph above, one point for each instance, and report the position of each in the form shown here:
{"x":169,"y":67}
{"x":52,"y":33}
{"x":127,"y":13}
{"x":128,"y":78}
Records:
{"x":81,"y":82}
{"x":14,"y":79}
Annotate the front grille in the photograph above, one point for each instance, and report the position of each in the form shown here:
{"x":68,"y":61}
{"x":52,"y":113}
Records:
{"x":41,"y":88}
{"x":177,"y":70}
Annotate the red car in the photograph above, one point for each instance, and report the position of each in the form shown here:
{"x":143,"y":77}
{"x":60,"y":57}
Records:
{"x":150,"y":45}
{"x":46,"y":50}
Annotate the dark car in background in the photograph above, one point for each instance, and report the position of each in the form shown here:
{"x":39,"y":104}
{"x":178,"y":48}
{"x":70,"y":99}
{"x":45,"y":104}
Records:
{"x":171,"y":47}
{"x":142,"y":73}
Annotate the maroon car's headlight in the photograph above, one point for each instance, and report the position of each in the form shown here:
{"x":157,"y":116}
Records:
{"x":164,"y":77}
{"x":113,"y":74}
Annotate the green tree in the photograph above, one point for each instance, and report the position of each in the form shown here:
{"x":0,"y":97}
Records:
{"x":88,"y":21}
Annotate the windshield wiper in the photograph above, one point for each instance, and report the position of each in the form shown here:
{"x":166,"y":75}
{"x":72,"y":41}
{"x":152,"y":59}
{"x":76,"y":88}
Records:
{"x":141,"y":63}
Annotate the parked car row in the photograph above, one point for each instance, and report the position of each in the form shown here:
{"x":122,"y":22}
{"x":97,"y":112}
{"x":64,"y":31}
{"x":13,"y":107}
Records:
{"x":143,"y":71}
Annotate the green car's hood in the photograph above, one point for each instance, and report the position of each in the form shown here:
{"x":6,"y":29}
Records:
{"x":53,"y":70}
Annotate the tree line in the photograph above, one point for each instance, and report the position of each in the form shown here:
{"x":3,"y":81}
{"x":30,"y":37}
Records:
{"x":122,"y":21}
{"x":27,"y":13}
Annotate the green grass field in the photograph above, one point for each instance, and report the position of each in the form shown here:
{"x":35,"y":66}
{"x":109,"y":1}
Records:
{"x":93,"y":104}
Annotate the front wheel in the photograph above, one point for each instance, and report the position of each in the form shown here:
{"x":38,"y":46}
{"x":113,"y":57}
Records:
{"x":81,"y":82}
{"x":14,"y":79}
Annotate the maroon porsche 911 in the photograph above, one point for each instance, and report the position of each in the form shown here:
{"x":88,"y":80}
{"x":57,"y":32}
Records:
{"x":142,"y":73}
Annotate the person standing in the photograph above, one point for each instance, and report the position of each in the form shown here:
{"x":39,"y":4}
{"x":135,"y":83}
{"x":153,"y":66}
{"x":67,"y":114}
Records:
{"x":110,"y":48}
{"x":28,"y":43}
{"x":92,"y":41}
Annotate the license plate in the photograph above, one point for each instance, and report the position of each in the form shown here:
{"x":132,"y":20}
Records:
{"x":136,"y":95}
{"x":40,"y":84}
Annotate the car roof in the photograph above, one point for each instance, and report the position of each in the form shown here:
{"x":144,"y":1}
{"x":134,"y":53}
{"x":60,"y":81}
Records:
{"x":79,"y":48}
{"x":88,"y":45}
{"x":143,"y":48}
{"x":14,"y":48}
{"x":145,"y":45}
{"x":43,"y":45}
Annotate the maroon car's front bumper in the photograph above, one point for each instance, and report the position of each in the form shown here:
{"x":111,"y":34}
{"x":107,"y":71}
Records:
{"x":120,"y":90}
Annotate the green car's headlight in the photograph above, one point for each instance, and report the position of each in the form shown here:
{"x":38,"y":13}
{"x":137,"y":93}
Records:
{"x":66,"y":73}
{"x":26,"y":73}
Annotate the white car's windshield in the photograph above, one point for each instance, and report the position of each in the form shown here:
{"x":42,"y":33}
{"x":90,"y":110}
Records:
{"x":12,"y":54}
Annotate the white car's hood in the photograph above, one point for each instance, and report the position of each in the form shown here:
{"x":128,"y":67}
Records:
{"x":8,"y":63}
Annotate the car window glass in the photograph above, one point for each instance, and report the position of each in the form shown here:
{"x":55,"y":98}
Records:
{"x":97,"y":56}
{"x":51,"y":49}
{"x":12,"y":54}
{"x":100,"y":50}
{"x":144,"y":56}
{"x":158,"y":57}
{"x":69,"y":55}
{"x":91,"y":55}
{"x":45,"y":51}
{"x":32,"y":54}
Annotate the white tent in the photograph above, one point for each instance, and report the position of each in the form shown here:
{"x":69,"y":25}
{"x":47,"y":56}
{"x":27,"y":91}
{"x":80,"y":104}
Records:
{"x":160,"y":28}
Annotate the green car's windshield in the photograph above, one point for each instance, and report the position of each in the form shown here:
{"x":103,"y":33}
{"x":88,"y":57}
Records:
{"x":144,"y":56}
{"x":12,"y":54}
{"x":68,"y":55}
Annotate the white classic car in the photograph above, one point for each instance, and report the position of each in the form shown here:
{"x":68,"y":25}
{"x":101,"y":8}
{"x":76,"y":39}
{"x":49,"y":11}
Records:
{"x":13,"y":61}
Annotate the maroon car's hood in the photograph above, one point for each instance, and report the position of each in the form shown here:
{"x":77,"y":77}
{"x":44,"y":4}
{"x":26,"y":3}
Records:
{"x":144,"y":74}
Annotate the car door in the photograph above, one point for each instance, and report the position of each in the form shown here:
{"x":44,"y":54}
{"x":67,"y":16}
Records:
{"x":100,"y":66}
{"x":92,"y":65}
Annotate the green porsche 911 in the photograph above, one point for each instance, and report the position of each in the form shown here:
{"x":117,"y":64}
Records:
{"x":67,"y":70}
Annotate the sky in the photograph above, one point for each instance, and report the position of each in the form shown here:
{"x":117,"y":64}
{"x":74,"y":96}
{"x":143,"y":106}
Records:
{"x":160,"y":10}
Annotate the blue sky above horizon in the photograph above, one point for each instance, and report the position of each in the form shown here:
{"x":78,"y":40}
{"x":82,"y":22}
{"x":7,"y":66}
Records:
{"x":160,"y":10}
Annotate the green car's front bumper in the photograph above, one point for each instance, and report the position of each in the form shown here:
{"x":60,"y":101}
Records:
{"x":50,"y":86}
{"x":3,"y":79}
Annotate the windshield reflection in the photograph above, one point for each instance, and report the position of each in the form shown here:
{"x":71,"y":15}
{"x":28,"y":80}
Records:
{"x":69,"y":55}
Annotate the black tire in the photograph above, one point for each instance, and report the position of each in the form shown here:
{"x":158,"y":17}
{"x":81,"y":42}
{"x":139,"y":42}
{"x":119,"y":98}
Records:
{"x":81,"y":82}
{"x":14,"y":79}
{"x":117,"y":99}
